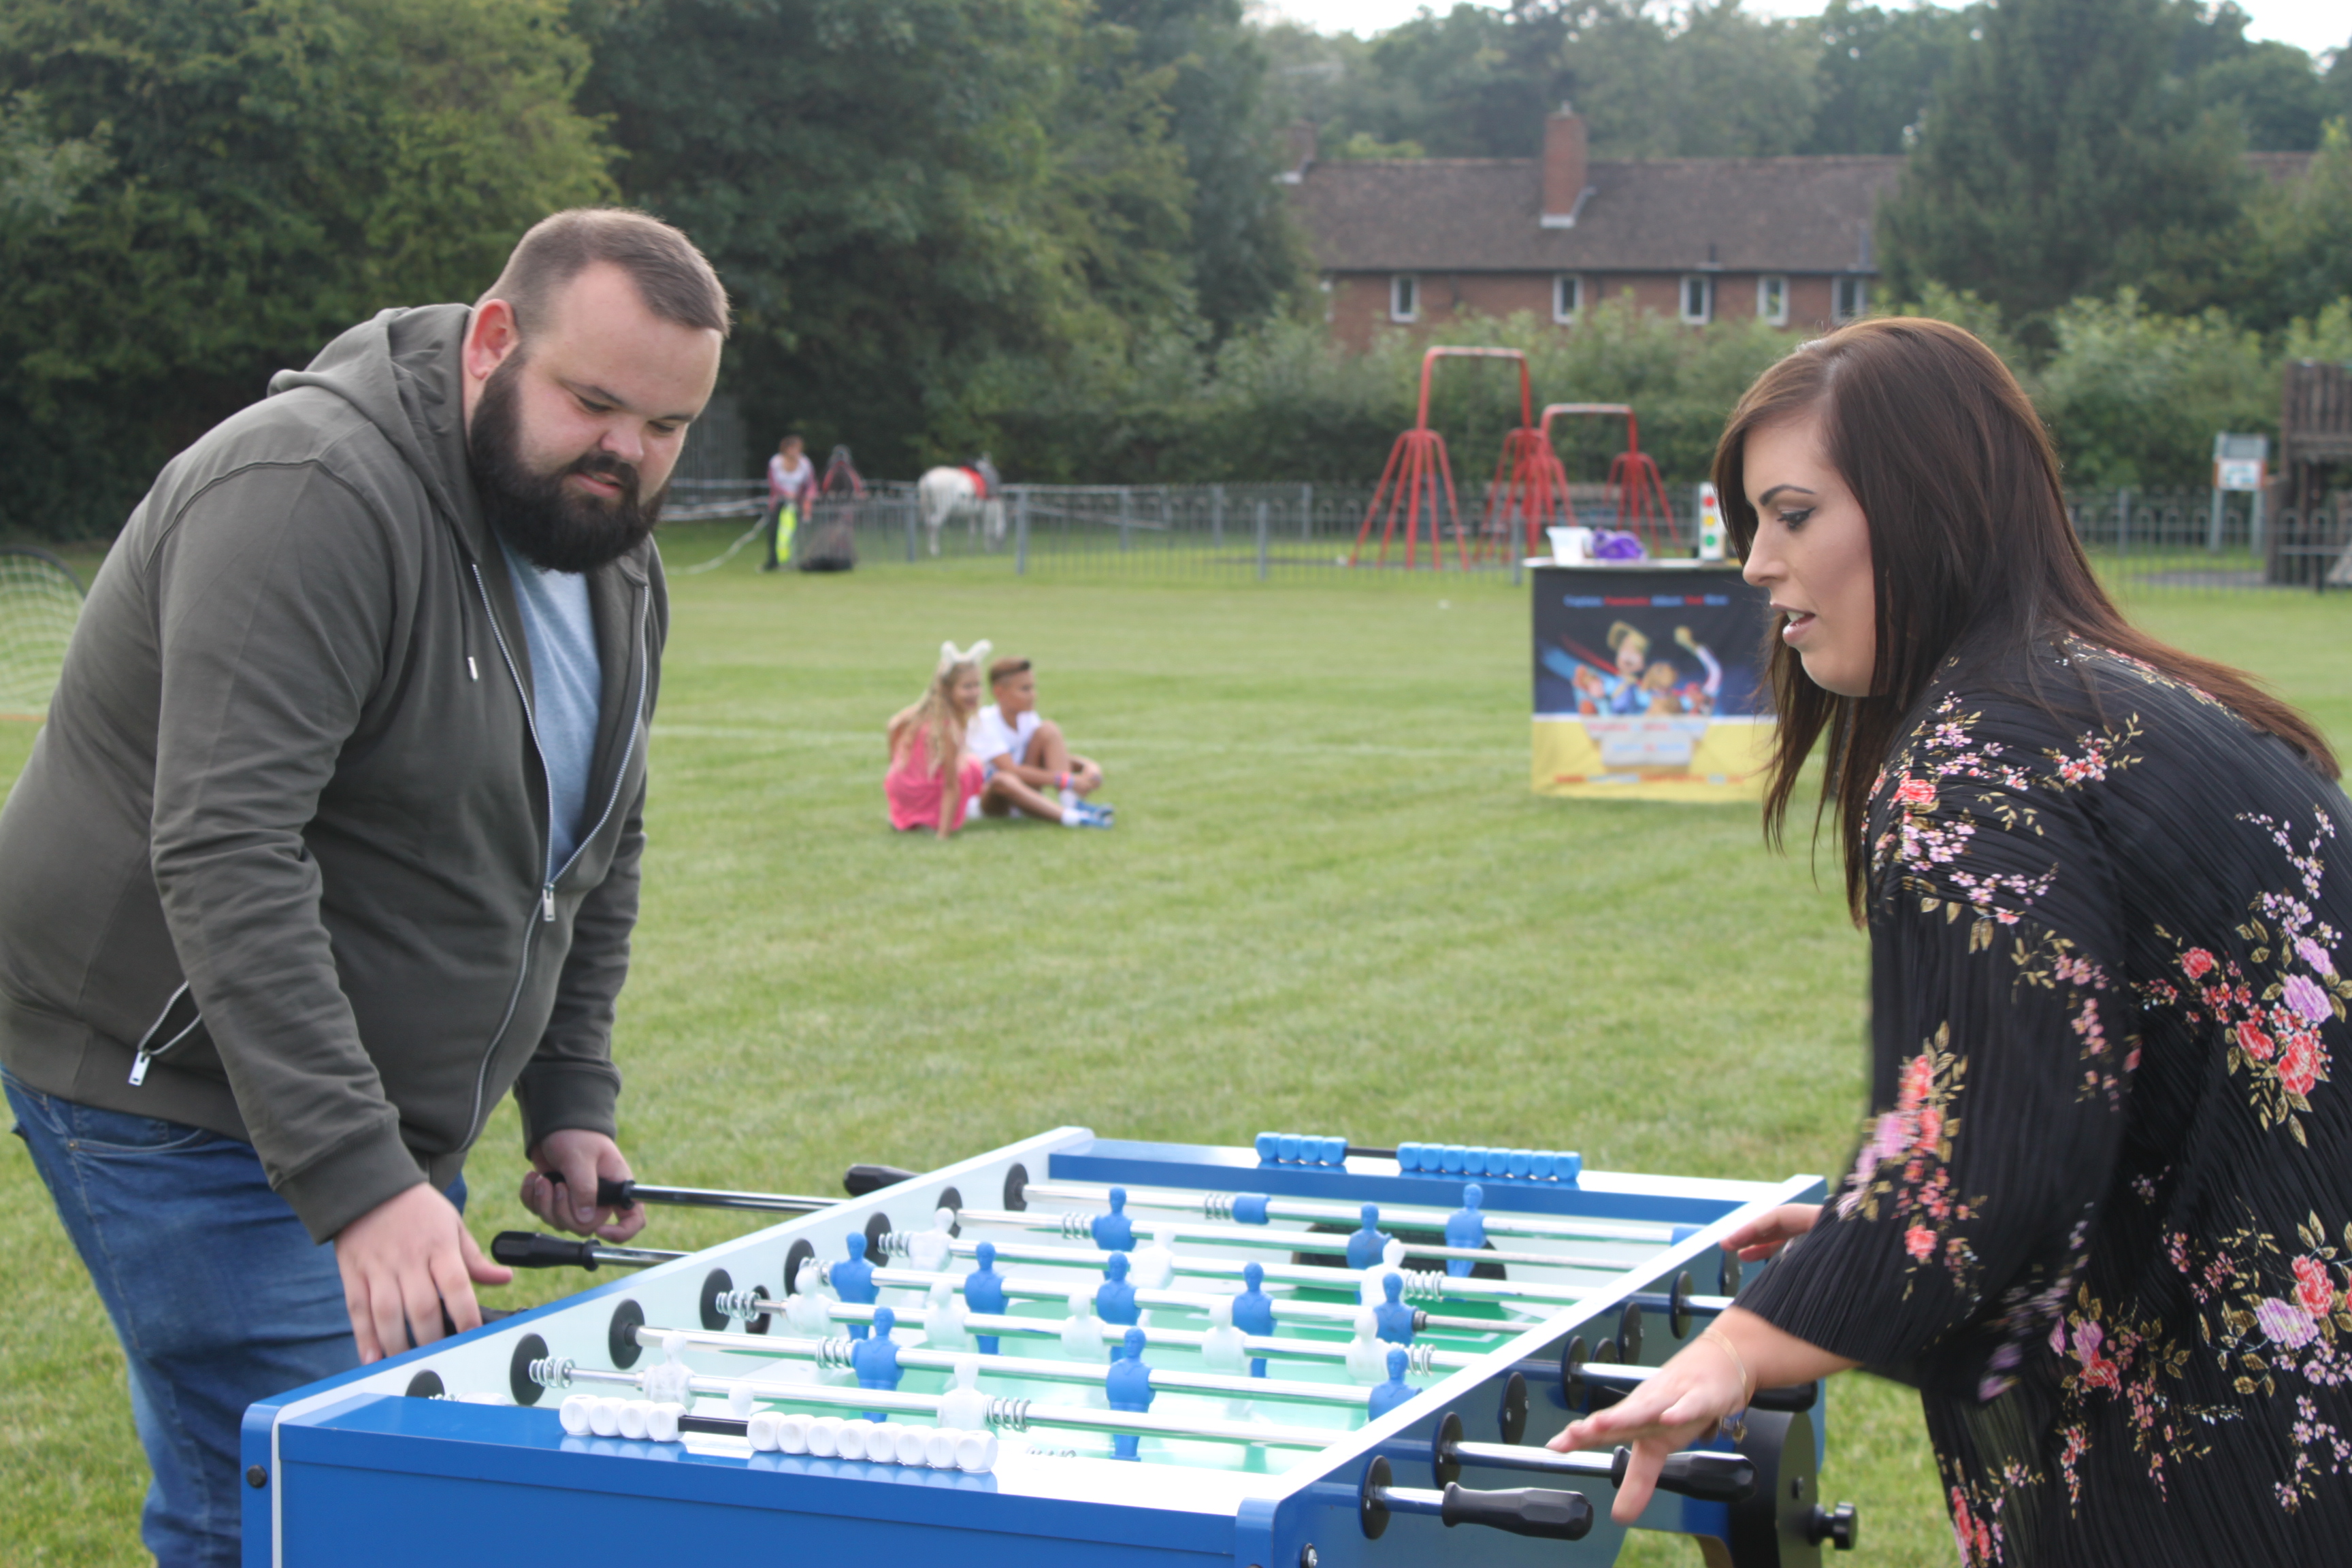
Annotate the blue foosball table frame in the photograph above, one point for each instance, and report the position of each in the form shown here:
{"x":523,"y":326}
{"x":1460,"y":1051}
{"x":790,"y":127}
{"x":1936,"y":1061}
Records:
{"x":356,"y":1471}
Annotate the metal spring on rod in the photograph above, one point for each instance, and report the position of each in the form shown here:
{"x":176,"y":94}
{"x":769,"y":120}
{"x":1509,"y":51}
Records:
{"x":1423,"y":1285}
{"x":832,"y":1354}
{"x":744,"y":1304}
{"x":1078,"y":1228}
{"x":1421,"y":1358}
{"x":1008,"y":1414}
{"x":1217,"y":1205}
{"x":894,"y":1244}
{"x":549,"y":1372}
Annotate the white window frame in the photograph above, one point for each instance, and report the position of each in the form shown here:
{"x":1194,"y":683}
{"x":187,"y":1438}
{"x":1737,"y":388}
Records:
{"x":1860,"y":286}
{"x":1568,"y":298}
{"x":1768,"y":310}
{"x":1404,"y":296}
{"x":1704,"y":282}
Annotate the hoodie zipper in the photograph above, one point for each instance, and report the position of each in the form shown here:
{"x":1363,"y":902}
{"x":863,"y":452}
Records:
{"x":547,"y":889}
{"x":148,"y":1050}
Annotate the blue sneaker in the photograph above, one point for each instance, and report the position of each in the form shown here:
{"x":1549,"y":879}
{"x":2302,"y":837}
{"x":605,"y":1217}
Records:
{"x":1091,"y":816}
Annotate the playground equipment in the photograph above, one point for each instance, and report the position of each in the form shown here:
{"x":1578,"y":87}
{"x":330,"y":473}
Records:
{"x":1419,"y":478}
{"x":1640,"y":494}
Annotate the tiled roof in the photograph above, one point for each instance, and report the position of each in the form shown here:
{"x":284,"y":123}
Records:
{"x":1668,"y":215}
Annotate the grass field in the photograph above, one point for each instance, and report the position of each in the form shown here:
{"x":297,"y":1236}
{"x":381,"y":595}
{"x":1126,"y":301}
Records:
{"x":1331,"y":904}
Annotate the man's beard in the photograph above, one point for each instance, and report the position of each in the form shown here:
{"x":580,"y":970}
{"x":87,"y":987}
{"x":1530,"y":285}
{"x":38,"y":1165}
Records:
{"x":554,"y":529}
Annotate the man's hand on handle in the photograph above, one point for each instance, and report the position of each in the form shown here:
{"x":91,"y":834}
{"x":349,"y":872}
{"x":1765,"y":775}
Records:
{"x":582,"y":1158}
{"x":404,"y":1262}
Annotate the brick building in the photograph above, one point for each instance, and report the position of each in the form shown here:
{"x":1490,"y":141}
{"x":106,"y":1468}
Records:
{"x":1419,"y":241}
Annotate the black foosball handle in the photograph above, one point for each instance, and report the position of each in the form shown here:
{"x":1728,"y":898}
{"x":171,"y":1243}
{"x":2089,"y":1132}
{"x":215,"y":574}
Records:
{"x":610,"y":1194}
{"x":1523,"y":1510}
{"x":1697,"y":1473}
{"x":528,"y":1249}
{"x":863,"y":1178}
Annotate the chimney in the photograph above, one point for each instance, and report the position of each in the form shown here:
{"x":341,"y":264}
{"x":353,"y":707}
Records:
{"x":1300,"y":137}
{"x":1563,"y":168}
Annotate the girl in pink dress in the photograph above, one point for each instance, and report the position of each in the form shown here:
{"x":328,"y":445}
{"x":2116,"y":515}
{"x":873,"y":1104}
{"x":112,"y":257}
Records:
{"x":928,"y":766}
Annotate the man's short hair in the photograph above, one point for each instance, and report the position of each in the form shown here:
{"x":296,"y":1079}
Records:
{"x":673,"y":277}
{"x":1007,"y":668}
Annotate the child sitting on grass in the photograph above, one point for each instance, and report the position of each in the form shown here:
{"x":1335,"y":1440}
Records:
{"x":933,"y":780}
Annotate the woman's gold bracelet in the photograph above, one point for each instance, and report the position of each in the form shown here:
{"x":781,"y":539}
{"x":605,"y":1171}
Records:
{"x":1722,"y":1342}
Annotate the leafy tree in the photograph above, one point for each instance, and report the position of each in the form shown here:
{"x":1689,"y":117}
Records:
{"x":1879,"y":71}
{"x":275,"y":170}
{"x":2301,"y":262}
{"x":2271,"y":89}
{"x":40,"y":177}
{"x":900,"y":194}
{"x":1245,"y":254}
{"x":2061,"y":160}
{"x":2134,"y":398}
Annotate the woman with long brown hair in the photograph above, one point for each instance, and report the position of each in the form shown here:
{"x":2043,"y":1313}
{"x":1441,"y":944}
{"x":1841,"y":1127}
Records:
{"x":2101,"y":1215}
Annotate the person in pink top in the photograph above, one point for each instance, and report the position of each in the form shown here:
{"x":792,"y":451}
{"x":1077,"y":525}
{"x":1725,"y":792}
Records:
{"x":930,"y":766}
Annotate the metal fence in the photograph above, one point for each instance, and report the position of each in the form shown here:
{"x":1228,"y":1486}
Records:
{"x":2141,"y":540}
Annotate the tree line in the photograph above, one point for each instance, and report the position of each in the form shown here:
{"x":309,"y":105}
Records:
{"x":1052,"y":228}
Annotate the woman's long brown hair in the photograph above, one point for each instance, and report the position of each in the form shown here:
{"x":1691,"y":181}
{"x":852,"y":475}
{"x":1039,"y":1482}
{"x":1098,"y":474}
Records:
{"x":1971,"y":544}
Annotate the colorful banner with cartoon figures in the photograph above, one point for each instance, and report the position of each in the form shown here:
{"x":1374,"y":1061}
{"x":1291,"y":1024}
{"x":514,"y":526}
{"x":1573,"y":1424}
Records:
{"x":1649,"y":682}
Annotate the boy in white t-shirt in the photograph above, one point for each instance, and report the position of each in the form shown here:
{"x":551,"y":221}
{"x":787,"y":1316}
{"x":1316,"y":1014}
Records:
{"x":1015,"y":743}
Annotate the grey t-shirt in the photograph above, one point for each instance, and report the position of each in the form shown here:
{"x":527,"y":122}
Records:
{"x":566,"y":677}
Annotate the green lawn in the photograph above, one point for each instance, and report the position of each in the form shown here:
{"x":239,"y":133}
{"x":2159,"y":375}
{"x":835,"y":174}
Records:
{"x":1331,"y":905}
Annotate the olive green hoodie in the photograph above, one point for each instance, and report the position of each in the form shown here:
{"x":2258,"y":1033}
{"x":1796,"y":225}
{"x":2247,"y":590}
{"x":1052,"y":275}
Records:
{"x":278,"y":866}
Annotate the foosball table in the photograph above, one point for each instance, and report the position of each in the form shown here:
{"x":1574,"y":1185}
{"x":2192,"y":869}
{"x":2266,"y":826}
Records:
{"x":1079,"y":1351}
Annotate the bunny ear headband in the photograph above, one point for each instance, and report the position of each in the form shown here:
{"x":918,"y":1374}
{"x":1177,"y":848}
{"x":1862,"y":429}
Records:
{"x":949,"y":657}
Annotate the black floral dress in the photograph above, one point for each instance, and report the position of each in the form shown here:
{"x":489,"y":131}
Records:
{"x":2101,"y":1212}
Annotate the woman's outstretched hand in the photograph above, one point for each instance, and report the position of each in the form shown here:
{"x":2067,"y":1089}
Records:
{"x":1767,"y":1233}
{"x":1688,"y":1397}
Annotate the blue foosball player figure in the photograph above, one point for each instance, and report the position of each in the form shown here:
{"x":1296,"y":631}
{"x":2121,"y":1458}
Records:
{"x":853,"y":1280}
{"x":1115,"y":1297}
{"x":1114,"y":1232}
{"x":1254,"y":1312}
{"x":875,"y":1359}
{"x":1366,"y":1246}
{"x":984,"y":1291}
{"x":1385,"y":1397}
{"x":1466,"y":1227}
{"x":1395,"y":1318}
{"x":1127,"y":1386}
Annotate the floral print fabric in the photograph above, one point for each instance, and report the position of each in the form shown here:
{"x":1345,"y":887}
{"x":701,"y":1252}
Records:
{"x":2101,"y":1214}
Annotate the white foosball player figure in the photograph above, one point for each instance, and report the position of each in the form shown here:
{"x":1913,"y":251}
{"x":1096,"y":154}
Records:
{"x":810,"y":1312}
{"x":963,"y":1406}
{"x":1154,"y":1264}
{"x":1224,"y":1348}
{"x":1367,"y":1353}
{"x":930,"y":1250}
{"x":943,"y":1317}
{"x":1368,"y":1290}
{"x":1082,"y":1332}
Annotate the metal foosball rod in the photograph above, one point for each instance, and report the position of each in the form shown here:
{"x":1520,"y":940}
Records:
{"x":1418,"y":1285}
{"x":1314,"y":1243}
{"x":1333,"y":1313}
{"x":1220,"y":1206}
{"x":1002,"y":1414}
{"x":1551,"y":1515}
{"x":1422,"y":1356}
{"x":529,"y":1249}
{"x":834,"y":1354}
{"x":612,"y":1194}
{"x":1708,"y":1475}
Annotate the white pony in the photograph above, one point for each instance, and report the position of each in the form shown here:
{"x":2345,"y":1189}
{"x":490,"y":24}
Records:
{"x":975,"y":495}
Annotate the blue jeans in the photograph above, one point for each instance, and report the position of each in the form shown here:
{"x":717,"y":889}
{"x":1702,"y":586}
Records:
{"x":217,"y":1293}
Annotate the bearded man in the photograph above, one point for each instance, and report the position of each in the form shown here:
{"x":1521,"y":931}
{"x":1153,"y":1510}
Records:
{"x":332,"y":837}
